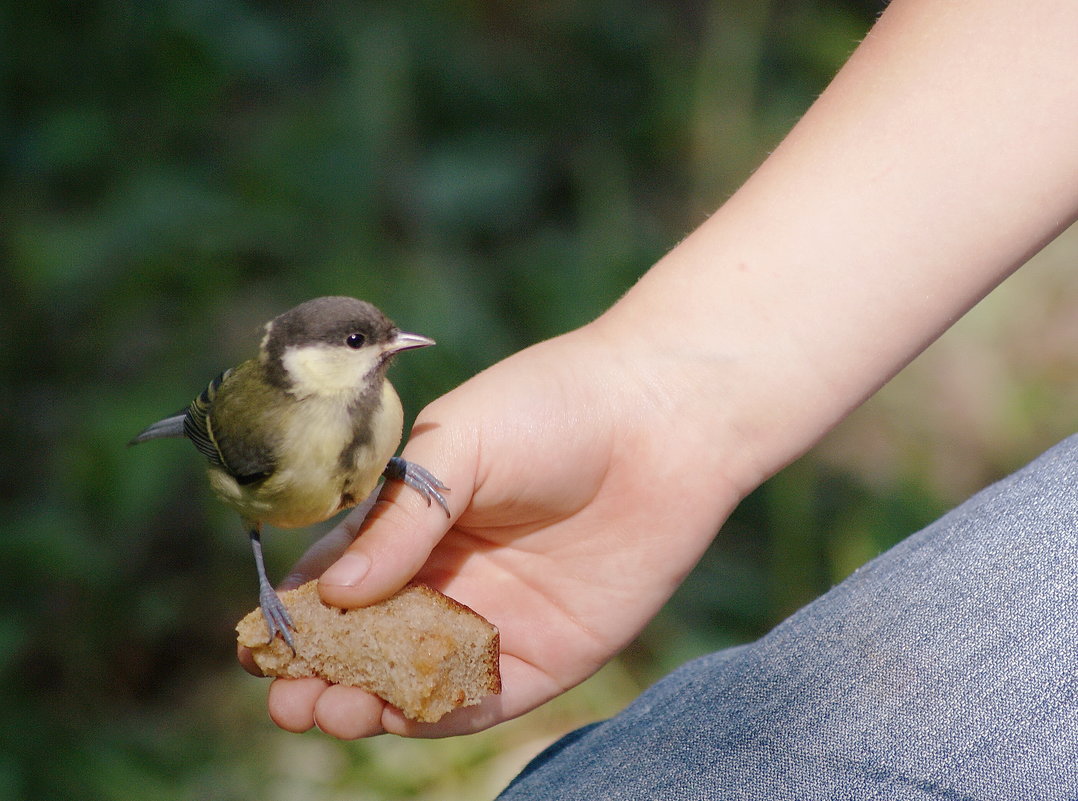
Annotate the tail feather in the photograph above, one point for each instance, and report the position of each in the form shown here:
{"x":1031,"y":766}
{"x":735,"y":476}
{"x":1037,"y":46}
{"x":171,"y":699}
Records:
{"x":169,"y":427}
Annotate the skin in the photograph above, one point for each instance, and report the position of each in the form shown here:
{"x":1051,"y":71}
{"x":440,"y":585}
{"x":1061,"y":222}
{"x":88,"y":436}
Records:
{"x":941,"y":157}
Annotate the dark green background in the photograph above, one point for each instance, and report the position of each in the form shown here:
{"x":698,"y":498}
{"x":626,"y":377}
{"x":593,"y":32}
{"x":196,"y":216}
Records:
{"x":177,"y":172}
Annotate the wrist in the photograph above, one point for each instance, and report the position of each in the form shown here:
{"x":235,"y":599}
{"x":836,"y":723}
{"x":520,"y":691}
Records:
{"x":716,"y":402}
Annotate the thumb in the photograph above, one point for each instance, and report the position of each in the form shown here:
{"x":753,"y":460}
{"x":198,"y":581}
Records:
{"x":400,"y":531}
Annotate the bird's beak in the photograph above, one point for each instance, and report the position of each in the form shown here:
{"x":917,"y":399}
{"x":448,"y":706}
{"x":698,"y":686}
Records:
{"x":406,"y":341}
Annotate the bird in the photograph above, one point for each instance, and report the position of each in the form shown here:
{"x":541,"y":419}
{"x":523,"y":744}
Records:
{"x":306,"y":428}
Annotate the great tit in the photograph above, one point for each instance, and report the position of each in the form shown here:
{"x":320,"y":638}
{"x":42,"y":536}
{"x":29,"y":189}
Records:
{"x":307,"y":428}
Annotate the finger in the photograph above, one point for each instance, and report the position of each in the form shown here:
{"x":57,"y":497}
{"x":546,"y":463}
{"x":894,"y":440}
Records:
{"x":247,"y":660}
{"x":524,"y":687}
{"x":349,"y":713}
{"x":401,"y":530}
{"x":291,"y":702}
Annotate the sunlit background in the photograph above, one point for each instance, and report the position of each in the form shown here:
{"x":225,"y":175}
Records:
{"x":490,"y":173}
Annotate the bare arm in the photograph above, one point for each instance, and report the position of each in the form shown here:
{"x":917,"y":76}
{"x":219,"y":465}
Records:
{"x":940,"y":158}
{"x":943,"y":155}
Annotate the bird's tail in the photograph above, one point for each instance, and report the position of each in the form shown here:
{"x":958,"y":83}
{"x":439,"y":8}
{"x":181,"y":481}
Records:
{"x":169,"y":427}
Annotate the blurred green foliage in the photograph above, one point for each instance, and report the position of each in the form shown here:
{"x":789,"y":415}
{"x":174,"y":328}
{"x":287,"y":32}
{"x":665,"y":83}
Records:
{"x":175,"y":172}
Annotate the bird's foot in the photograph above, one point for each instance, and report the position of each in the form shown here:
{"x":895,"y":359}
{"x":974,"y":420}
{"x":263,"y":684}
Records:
{"x":420,"y":479}
{"x":278,"y":621}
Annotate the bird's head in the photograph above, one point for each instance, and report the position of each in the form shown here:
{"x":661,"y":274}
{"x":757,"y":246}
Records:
{"x":332,"y":346}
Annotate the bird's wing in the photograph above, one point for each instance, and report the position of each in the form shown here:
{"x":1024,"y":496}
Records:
{"x":245,"y":459}
{"x":196,"y":422}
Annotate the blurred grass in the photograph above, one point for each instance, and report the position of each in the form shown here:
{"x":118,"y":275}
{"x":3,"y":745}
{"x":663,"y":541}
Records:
{"x":177,"y":172}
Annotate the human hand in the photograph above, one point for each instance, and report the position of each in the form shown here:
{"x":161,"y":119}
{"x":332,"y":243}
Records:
{"x":583,"y":489}
{"x":589,"y":472}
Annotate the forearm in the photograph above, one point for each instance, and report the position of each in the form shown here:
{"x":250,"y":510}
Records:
{"x":933,"y":166}
{"x":589,"y":471}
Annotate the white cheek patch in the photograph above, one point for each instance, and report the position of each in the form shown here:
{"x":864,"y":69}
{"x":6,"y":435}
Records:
{"x":328,"y":369}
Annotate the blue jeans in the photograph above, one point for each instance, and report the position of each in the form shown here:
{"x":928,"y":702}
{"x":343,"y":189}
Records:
{"x":945,"y":669}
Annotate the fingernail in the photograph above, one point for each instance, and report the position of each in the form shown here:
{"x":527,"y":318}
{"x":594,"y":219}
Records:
{"x":347,"y":571}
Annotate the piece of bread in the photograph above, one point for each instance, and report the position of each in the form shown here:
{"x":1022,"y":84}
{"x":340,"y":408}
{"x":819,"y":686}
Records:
{"x":419,"y":650}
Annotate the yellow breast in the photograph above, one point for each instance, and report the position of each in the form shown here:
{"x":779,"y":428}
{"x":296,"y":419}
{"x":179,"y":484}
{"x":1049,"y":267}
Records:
{"x":311,"y":482}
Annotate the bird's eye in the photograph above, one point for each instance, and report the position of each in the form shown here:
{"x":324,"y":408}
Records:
{"x":355,"y":341}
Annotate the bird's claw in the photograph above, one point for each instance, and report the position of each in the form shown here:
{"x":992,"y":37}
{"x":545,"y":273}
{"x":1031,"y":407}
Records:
{"x":420,"y":479}
{"x":278,"y":621}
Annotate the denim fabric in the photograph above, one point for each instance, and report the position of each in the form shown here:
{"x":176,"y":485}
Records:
{"x":947,"y":668}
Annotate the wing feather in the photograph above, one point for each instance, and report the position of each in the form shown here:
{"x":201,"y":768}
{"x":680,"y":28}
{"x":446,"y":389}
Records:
{"x":246,"y":460}
{"x":197,"y":426}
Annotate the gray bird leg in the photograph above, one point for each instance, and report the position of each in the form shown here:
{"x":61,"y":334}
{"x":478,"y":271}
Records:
{"x":273,"y":609}
{"x":418,"y":478}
